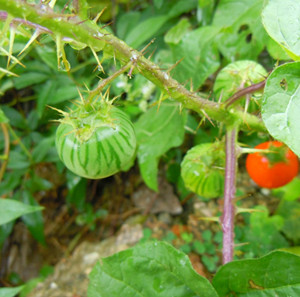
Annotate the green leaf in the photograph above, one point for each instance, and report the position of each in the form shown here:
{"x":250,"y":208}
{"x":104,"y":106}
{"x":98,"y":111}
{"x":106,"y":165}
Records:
{"x":18,"y":160}
{"x":15,"y":118}
{"x":276,"y":51}
{"x":281,"y":20}
{"x":29,"y":79}
{"x":11,"y":180}
{"x":126,"y":22}
{"x":150,"y":269}
{"x":66,"y":90}
{"x":45,"y":93}
{"x":182,"y":6}
{"x":158,"y":3}
{"x":48,"y":55}
{"x":261,"y":223}
{"x":34,"y":221}
{"x":276,"y":274}
{"x":289,"y":192}
{"x":175,"y":34}
{"x":145,"y":30}
{"x":158,"y":130}
{"x":290,"y":211}
{"x":281,"y":105}
{"x":12,"y":209}
{"x":205,"y":11}
{"x":36,"y":183}
{"x":3,"y":118}
{"x":5,"y":231}
{"x":41,"y":150}
{"x":199,"y":53}
{"x":243,"y":35}
{"x":202,"y":169}
{"x":10,"y":292}
{"x":77,"y":191}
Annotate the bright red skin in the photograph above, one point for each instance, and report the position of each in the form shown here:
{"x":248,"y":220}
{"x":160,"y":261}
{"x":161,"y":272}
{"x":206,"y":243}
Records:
{"x":268,"y":175}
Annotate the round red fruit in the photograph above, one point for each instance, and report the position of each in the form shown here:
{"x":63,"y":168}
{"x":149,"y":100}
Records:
{"x":273,"y":168}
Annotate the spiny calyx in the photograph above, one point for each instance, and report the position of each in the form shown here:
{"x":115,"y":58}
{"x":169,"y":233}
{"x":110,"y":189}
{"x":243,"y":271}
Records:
{"x":87,"y":117}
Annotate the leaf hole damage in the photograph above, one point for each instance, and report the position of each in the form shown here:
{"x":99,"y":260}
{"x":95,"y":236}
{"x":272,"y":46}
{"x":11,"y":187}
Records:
{"x":249,"y":38}
{"x":283,"y":84}
{"x":242,"y":28}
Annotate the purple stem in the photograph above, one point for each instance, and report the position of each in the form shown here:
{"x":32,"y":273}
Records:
{"x":3,"y":16}
{"x":229,"y":194}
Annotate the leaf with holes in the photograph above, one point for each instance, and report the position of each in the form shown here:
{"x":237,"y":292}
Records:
{"x":276,"y":274}
{"x":281,"y":105}
{"x":243,"y":35}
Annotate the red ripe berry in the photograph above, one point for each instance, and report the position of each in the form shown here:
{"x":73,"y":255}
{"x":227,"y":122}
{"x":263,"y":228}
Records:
{"x":272,"y":169}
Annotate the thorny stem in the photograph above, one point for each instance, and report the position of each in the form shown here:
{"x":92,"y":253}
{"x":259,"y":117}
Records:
{"x":93,"y":36}
{"x":227,"y":219}
{"x":106,"y":81}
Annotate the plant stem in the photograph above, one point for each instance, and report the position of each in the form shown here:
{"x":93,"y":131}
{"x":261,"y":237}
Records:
{"x":20,"y":143}
{"x":98,"y":38}
{"x":229,"y":194}
{"x":241,"y":93}
{"x":106,"y":81}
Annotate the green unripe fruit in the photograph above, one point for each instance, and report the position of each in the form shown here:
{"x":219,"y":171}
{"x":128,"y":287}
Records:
{"x":96,"y":140}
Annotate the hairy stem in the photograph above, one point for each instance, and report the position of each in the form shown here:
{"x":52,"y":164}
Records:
{"x":229,"y":194}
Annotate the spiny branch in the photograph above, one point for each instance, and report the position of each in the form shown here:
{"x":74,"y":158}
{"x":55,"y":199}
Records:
{"x":99,"y":39}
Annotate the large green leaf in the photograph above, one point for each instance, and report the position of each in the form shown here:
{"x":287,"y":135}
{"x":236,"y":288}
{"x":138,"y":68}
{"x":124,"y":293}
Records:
{"x":199,"y":53}
{"x":281,"y":105}
{"x":276,"y":274}
{"x":243,"y":35}
{"x":281,"y":20}
{"x":158,"y":130}
{"x":151,"y":269}
{"x":12,"y":209}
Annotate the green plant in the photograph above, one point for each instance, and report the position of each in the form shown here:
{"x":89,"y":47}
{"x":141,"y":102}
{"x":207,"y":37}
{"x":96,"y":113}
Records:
{"x":272,"y":169}
{"x":216,"y":33}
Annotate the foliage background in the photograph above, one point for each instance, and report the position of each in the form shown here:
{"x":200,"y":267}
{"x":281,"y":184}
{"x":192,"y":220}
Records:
{"x":200,"y":38}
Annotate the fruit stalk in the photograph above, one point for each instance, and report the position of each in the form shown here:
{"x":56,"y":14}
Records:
{"x":227,"y":219}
